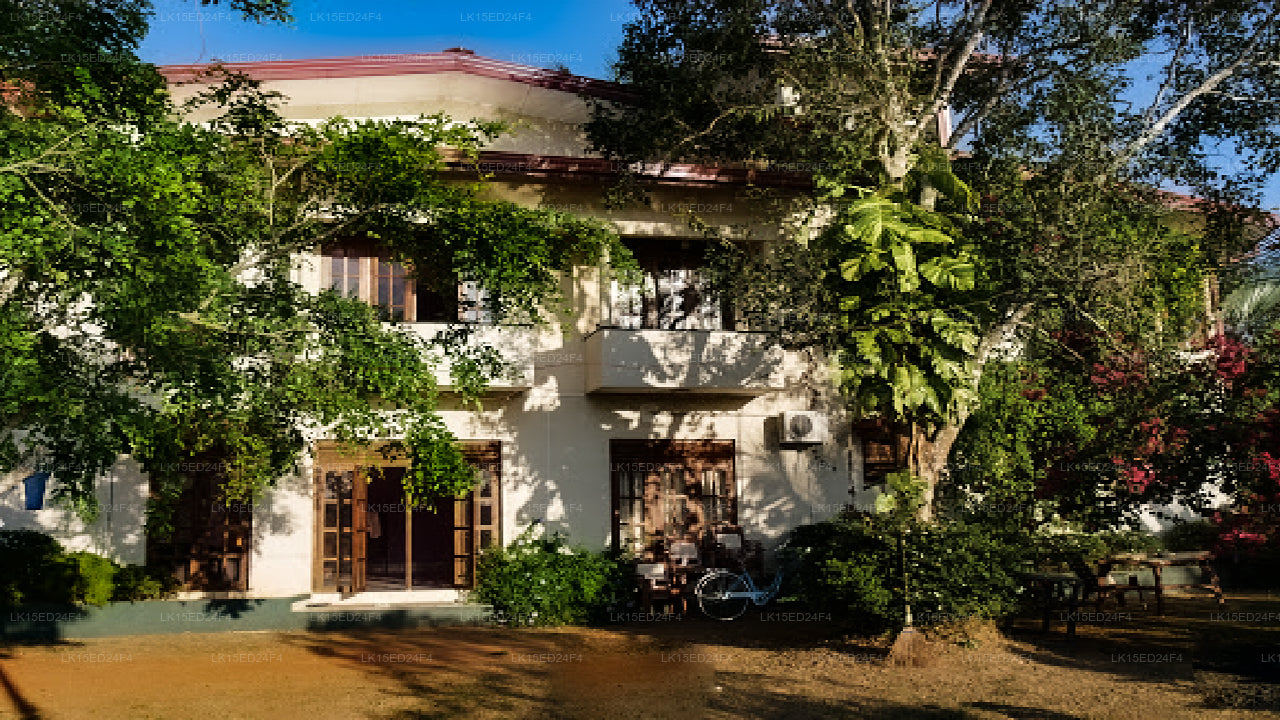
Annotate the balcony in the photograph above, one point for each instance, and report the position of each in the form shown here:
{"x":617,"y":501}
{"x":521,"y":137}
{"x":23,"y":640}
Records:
{"x":700,"y":361}
{"x":515,"y":344}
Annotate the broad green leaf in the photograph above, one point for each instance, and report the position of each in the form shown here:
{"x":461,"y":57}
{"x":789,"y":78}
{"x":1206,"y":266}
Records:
{"x":905,"y":260}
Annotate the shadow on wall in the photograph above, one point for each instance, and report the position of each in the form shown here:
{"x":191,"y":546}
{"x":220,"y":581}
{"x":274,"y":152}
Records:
{"x":683,"y":359}
{"x":118,"y":533}
{"x":565,"y":480}
{"x":271,"y":520}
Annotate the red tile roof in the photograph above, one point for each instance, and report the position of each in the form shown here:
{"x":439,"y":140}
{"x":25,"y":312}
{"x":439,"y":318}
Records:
{"x":452,"y":60}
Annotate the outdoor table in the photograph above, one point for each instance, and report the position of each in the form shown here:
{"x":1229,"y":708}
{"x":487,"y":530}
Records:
{"x":1064,"y":587}
{"x":1158,"y":562}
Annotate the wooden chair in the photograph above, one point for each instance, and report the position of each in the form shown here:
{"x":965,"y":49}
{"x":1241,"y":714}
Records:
{"x":1097,"y":582}
{"x":727,"y":548}
{"x":685,"y":562}
{"x":684,"y":556}
{"x":656,"y":586}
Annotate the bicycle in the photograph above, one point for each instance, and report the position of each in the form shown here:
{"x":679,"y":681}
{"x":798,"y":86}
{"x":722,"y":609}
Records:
{"x":724,"y":594}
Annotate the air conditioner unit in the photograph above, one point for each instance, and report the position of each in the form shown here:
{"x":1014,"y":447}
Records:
{"x":802,"y":427}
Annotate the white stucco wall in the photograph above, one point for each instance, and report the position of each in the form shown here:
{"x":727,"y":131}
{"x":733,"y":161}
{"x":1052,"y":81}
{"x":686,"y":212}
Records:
{"x":118,"y":531}
{"x":283,"y":534}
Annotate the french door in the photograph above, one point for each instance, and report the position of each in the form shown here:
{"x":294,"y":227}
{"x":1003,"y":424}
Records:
{"x":342,"y":495}
{"x":368,"y":538}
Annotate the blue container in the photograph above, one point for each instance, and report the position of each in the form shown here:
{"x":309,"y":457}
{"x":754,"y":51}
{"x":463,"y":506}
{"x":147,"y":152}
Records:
{"x":35,"y":484}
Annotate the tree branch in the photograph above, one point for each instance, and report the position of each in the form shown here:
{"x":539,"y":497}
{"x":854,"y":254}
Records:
{"x":1171,"y":76}
{"x":1154,"y":130}
{"x":943,"y":97}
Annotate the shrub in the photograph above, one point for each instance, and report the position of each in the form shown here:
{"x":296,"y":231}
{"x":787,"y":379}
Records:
{"x":93,"y":577}
{"x":1186,"y":535}
{"x":851,"y":568}
{"x":32,"y":569}
{"x":542,"y":581}
{"x":138,"y":582}
{"x":1055,"y":549}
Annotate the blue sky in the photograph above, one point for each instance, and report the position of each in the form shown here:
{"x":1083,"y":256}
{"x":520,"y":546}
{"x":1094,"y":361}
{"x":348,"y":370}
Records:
{"x":581,"y":34}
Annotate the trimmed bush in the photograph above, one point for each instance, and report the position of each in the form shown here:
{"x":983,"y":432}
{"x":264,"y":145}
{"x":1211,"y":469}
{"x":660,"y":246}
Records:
{"x":137,"y":582}
{"x":851,"y":568}
{"x":543,"y":581}
{"x":93,"y":577}
{"x":35,"y":570}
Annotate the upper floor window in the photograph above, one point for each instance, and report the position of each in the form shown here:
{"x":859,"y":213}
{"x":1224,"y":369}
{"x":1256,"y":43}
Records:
{"x":358,"y":270}
{"x":674,"y":292}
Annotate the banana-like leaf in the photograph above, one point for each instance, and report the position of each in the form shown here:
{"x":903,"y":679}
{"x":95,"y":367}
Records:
{"x":949,"y":273}
{"x":905,"y":260}
{"x":953,"y":188}
{"x":867,"y":345}
{"x":871,"y":218}
{"x":929,"y":235}
{"x":851,"y":270}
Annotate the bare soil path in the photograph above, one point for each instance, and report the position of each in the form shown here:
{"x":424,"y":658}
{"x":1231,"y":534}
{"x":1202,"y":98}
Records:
{"x":1190,"y":664}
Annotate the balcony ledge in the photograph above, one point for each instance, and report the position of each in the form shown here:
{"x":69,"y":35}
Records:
{"x":692,"y":361}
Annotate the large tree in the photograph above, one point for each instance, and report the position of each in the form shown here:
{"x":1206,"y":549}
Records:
{"x":1069,"y":117}
{"x":147,"y":297}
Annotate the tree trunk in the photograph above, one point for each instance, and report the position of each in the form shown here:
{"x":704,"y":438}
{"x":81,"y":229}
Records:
{"x":927,"y":456}
{"x":927,"y":460}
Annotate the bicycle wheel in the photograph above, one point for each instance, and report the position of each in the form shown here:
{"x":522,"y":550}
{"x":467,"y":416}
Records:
{"x":710,"y":592}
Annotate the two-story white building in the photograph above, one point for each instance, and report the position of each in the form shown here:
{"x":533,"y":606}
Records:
{"x":657,"y":416}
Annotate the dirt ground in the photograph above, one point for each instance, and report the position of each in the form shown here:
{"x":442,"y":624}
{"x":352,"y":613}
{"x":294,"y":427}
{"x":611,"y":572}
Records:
{"x":1189,"y":664}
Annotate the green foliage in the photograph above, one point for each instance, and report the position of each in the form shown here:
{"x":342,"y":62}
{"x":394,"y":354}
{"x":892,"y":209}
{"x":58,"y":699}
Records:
{"x":1186,"y":535}
{"x":903,"y":344}
{"x":138,"y":582}
{"x":847,"y":568}
{"x":34,"y":569}
{"x":94,"y":577}
{"x":1089,"y":427}
{"x":852,"y":568}
{"x":149,"y":308}
{"x":926,"y":272}
{"x":1054,"y":551}
{"x":543,"y":581}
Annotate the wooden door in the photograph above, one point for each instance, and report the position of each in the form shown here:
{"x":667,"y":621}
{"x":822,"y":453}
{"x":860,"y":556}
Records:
{"x":359,"y":531}
{"x":208,"y":548}
{"x":341,"y":500}
{"x":477,"y":515}
{"x":341,"y":506}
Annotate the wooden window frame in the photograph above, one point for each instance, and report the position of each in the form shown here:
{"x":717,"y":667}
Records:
{"x":674,"y":474}
{"x":373,"y":265}
{"x":664,"y":264}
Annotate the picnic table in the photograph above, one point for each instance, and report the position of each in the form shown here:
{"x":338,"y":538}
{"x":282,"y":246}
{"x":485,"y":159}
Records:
{"x":1157,"y":562}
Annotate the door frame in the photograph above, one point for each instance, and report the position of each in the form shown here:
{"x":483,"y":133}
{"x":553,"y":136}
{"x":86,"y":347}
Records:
{"x":469,"y":533}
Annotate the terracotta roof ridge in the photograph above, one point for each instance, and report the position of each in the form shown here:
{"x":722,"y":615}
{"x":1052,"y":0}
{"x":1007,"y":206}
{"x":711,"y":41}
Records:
{"x":453,"y":60}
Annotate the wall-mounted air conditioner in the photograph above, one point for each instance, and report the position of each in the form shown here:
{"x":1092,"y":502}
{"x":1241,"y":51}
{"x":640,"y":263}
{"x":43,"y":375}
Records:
{"x":802,"y":427}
